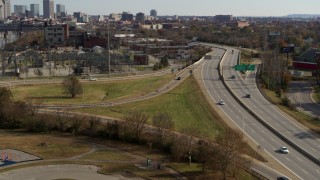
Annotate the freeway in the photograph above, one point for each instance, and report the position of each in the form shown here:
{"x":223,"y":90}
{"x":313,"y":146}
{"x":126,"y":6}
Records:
{"x":302,"y":167}
{"x":289,"y":128}
{"x":299,"y":94}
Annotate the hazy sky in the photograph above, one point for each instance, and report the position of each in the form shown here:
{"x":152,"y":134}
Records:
{"x":187,"y":7}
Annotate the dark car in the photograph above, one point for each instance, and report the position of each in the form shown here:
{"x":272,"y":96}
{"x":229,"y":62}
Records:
{"x":248,"y":96}
{"x":178,"y":78}
{"x":282,"y":178}
{"x":233,"y":77}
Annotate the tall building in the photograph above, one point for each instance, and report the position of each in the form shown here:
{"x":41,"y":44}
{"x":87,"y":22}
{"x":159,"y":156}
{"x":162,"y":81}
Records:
{"x":61,"y":10}
{"x":223,"y":18}
{"x":20,"y":10}
{"x":48,"y":9}
{"x":127,"y":16}
{"x":7,"y":8}
{"x":2,"y":10}
{"x":140,"y":17}
{"x":35,"y":10}
{"x":154,"y":13}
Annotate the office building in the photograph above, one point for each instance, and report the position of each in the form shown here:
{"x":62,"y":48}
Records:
{"x":61,"y":10}
{"x":127,"y":16}
{"x":223,"y":18}
{"x":140,"y":17}
{"x":20,"y":10}
{"x":48,"y":9}
{"x":35,"y":10}
{"x":2,"y":10}
{"x":154,"y":13}
{"x":56,"y":35}
{"x":7,"y":8}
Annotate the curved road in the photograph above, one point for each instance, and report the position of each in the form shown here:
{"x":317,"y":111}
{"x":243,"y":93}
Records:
{"x":299,"y":165}
{"x":300,"y":93}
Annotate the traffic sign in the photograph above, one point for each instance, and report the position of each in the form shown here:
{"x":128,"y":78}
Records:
{"x":244,"y":67}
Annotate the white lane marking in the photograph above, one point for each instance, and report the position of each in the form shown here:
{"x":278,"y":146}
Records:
{"x":305,"y":171}
{"x":241,"y":128}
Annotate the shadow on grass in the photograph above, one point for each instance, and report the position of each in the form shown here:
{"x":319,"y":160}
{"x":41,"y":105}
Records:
{"x":50,"y":97}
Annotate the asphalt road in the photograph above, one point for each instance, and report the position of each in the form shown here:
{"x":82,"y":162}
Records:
{"x":298,"y":164}
{"x":67,"y":171}
{"x":299,"y":93}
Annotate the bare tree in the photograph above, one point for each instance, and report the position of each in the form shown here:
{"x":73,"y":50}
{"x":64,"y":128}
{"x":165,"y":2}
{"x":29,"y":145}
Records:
{"x":75,"y":124}
{"x":184,"y":145}
{"x":163,"y":122}
{"x":93,"y":124}
{"x":62,"y":118}
{"x":72,"y":86}
{"x":33,"y":106}
{"x":226,"y":154}
{"x":136,"y":122}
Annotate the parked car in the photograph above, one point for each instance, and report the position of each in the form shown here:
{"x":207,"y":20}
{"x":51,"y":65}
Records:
{"x":178,"y":78}
{"x":92,"y":79}
{"x":248,"y":96}
{"x":284,"y":150}
{"x":221,"y":102}
{"x":233,"y":77}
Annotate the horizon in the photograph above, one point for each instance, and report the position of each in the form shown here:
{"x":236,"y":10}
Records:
{"x":244,"y":8}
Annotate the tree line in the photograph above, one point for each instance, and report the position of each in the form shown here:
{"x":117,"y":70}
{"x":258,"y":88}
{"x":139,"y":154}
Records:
{"x":222,"y":156}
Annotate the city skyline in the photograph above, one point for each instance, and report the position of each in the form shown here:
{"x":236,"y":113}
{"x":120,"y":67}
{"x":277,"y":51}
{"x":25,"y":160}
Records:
{"x":188,"y":7}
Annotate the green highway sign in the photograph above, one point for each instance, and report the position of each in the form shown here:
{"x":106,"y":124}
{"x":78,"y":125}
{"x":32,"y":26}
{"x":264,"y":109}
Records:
{"x":244,"y":67}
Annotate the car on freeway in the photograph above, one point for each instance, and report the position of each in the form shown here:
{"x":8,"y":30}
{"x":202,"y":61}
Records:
{"x":178,"y":78}
{"x":248,"y":96}
{"x":284,"y":150}
{"x":282,"y":178}
{"x":233,"y":77}
{"x":221,"y":102}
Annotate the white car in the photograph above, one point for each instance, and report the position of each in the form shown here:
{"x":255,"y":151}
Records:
{"x":92,"y":79}
{"x":284,"y":150}
{"x":221,"y":102}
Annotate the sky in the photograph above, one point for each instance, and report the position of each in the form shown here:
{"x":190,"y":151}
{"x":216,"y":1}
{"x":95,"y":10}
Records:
{"x":187,"y":7}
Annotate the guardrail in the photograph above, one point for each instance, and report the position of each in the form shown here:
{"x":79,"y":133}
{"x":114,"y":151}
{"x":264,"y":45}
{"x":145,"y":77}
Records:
{"x":305,"y":153}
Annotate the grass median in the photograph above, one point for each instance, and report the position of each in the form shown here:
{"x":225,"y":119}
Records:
{"x":185,"y":104}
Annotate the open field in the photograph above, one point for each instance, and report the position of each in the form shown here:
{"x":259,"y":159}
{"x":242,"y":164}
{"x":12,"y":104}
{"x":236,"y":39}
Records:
{"x":186,"y":105}
{"x":46,"y":146}
{"x":93,"y":92}
{"x":303,"y":118}
{"x":316,"y":94}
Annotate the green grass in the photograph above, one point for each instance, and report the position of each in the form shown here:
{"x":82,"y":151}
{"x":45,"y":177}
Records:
{"x":93,"y":92}
{"x":47,"y":146}
{"x":103,"y":155}
{"x":316,"y":94}
{"x":185,"y":104}
{"x":308,"y":121}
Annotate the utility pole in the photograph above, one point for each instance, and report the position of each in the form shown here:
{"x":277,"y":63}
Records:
{"x":109,"y":49}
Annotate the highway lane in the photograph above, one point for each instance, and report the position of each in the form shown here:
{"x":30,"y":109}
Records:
{"x":294,"y":161}
{"x":299,"y":93}
{"x":269,"y":113}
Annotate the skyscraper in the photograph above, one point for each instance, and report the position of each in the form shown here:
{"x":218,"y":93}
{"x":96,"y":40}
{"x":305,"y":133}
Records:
{"x":7,"y":8}
{"x":35,"y":10}
{"x":48,"y":9}
{"x":1,"y":10}
{"x":60,"y":10}
{"x":20,"y":10}
{"x":140,"y":17}
{"x":154,"y":13}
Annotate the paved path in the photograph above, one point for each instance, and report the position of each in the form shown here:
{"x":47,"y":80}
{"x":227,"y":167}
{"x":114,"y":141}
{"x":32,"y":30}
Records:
{"x":66,"y":171}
